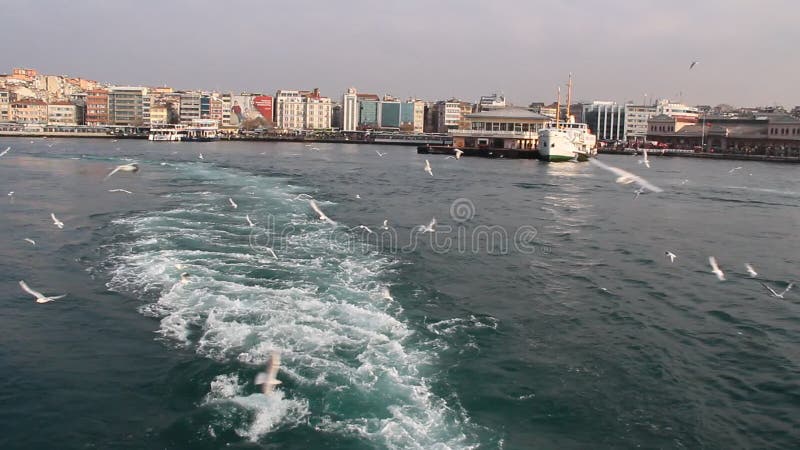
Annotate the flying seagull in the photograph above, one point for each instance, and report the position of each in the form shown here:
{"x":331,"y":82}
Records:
{"x":8,"y":149}
{"x":458,"y":152}
{"x":40,"y":298}
{"x":734,"y":169}
{"x":775,"y":294}
{"x":671,"y":256}
{"x":694,"y":63}
{"x":132,"y":167}
{"x":428,"y":167}
{"x":268,"y":379}
{"x":385,"y":224}
{"x":385,"y":294}
{"x":625,"y":177}
{"x":638,"y":192}
{"x":249,"y":222}
{"x":750,"y":270}
{"x":120,"y":190}
{"x":233,"y":203}
{"x":715,"y":268}
{"x":200,"y":156}
{"x":271,"y":252}
{"x":380,"y":154}
{"x":429,"y":228}
{"x":30,"y":240}
{"x":57,"y":222}
{"x":185,"y":277}
{"x":319,"y":212}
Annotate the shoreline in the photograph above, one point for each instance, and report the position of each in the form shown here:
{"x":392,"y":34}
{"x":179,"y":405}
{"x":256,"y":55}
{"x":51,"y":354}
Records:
{"x":441,"y":150}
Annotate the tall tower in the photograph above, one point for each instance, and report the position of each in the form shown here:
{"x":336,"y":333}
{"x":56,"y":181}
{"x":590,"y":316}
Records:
{"x":350,"y":110}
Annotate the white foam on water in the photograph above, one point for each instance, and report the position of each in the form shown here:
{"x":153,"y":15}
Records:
{"x":320,"y":303}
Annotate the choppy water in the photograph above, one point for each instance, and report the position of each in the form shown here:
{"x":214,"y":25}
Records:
{"x":542,"y":314}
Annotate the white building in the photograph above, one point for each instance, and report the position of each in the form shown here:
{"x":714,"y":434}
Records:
{"x":448,"y":115}
{"x":350,"y":110}
{"x":491,"y":102}
{"x":636,"y":116}
{"x":289,"y":110}
{"x":62,"y":113}
{"x":317,"y":111}
{"x":5,"y":106}
{"x":605,"y":119}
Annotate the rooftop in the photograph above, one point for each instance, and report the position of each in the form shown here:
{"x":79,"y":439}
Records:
{"x":509,"y":113}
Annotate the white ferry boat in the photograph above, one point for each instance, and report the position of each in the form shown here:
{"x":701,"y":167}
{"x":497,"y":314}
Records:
{"x":200,"y":130}
{"x":566,"y":140}
{"x":167,"y":133}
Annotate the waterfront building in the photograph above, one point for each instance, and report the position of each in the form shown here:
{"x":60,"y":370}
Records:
{"x":79,"y":100}
{"x":368,"y":114}
{"x":635,"y":118}
{"x":350,"y":110}
{"x":765,"y":133}
{"x":159,"y":115}
{"x":336,"y":116}
{"x":465,"y":108}
{"x":29,"y":110}
{"x":412,"y":116}
{"x":448,"y":115}
{"x":491,"y":102}
{"x":289,"y":110}
{"x":216,"y":109}
{"x":316,"y":111}
{"x":5,"y":106}
{"x":125,"y":105}
{"x":664,"y":106}
{"x":606,"y":120}
{"x":189,"y":109}
{"x":226,"y":109}
{"x":97,"y":107}
{"x":514,"y":128}
{"x":390,"y":113}
{"x":62,"y":113}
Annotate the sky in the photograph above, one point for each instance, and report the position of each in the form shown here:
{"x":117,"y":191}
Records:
{"x":617,"y":50}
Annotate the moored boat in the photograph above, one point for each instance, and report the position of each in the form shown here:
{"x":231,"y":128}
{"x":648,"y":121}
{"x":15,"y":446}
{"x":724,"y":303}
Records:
{"x":566,"y":140}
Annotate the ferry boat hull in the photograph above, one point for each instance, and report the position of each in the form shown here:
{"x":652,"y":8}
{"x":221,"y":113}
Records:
{"x":565,"y":144}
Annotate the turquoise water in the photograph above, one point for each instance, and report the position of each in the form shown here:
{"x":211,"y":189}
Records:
{"x":541,"y":314}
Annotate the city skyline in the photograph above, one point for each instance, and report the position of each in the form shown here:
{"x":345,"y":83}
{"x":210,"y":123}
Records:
{"x":616,"y":51}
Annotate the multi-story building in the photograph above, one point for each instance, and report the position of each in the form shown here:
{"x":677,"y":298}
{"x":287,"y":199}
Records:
{"x":159,"y":115}
{"x":368,"y":111}
{"x":226,"y":109}
{"x":606,"y":120}
{"x":5,"y":106}
{"x":29,"y":110}
{"x":636,"y":117}
{"x":350,"y":110}
{"x":26,"y":75}
{"x":448,"y":115}
{"x":412,"y":116}
{"x":289,"y":110}
{"x":190,"y":107}
{"x":389,"y":113}
{"x":316,"y":111}
{"x":97,"y":107}
{"x":491,"y":102}
{"x":125,"y":105}
{"x":62,"y":113}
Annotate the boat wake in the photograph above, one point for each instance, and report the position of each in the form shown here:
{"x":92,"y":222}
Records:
{"x":350,"y":364}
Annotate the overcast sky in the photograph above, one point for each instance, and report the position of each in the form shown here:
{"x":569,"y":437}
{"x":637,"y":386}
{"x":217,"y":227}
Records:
{"x":620,"y":50}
